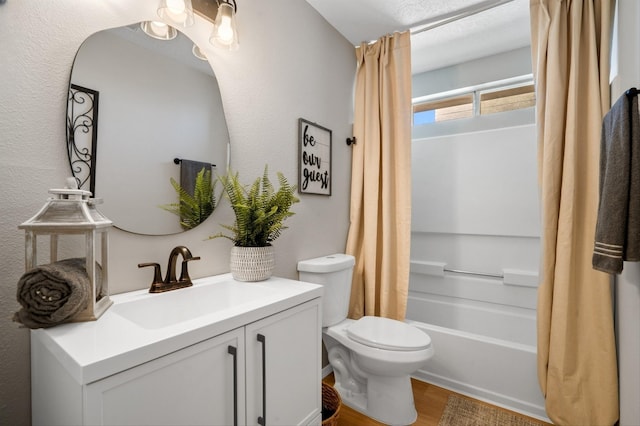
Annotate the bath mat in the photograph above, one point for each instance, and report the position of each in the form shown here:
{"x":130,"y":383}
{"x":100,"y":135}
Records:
{"x":462,"y":411}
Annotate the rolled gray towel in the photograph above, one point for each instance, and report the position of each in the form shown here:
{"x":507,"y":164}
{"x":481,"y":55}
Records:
{"x":52,"y":294}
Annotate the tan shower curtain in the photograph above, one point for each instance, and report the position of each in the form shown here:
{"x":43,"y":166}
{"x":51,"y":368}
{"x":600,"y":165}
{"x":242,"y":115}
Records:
{"x":576,"y":344}
{"x":380,"y":228}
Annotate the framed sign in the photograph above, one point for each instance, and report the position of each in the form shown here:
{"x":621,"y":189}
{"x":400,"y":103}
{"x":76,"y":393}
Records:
{"x":314,"y":147}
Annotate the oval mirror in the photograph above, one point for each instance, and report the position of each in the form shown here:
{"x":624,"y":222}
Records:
{"x":143,"y":112}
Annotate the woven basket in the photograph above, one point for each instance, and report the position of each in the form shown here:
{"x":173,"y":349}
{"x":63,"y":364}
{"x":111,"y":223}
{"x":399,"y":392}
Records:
{"x":331,"y":402}
{"x":252,"y":263}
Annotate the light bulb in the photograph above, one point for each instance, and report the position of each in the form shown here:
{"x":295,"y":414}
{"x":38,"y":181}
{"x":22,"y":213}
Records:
{"x":176,"y":6}
{"x":176,"y":12}
{"x":225,"y":32}
{"x":159,"y":28}
{"x":224,"y":28}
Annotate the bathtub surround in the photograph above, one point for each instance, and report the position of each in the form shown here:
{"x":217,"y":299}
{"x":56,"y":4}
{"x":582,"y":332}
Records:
{"x":576,"y":345}
{"x":380,"y":229}
{"x":475,"y":208}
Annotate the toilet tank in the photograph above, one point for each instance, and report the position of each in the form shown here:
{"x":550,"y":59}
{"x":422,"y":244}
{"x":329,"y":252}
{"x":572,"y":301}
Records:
{"x":334,"y":272}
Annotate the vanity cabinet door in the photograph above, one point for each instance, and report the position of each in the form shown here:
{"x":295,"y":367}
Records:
{"x":192,"y":386}
{"x":284,"y":367}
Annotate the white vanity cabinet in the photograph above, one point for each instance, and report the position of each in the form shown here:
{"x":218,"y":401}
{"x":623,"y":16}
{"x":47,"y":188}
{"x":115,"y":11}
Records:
{"x":193,"y":386}
{"x":258,"y":362}
{"x":281,"y":357}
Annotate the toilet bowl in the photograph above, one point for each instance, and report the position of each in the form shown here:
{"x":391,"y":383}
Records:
{"x":373,"y":376}
{"x":372,"y":357}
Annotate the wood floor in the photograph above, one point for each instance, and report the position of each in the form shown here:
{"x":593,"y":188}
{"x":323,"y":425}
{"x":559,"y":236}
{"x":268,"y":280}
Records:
{"x":430,"y":402}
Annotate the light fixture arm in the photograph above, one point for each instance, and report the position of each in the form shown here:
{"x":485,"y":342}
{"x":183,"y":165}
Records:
{"x":231,"y":2}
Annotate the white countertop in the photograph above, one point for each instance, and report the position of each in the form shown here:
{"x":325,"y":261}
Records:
{"x":141,"y":326}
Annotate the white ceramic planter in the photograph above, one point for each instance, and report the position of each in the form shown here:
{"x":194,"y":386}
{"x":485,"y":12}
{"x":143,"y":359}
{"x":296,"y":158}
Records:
{"x":252,"y":263}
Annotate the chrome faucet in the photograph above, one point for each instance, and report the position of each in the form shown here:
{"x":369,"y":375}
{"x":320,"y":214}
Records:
{"x":171,"y":282}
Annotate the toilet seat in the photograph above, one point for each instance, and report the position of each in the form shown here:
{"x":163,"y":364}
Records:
{"x":389,"y":334}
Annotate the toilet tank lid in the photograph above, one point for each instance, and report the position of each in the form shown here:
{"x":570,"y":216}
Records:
{"x":330,"y":263}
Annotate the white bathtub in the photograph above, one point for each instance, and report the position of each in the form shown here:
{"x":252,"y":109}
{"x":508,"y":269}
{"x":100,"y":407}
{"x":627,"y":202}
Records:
{"x":497,"y":371}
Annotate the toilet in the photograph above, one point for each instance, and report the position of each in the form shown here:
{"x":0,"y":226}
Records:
{"x":372,"y":357}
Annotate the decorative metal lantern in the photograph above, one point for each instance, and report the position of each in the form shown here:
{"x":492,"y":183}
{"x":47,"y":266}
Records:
{"x":71,"y":211}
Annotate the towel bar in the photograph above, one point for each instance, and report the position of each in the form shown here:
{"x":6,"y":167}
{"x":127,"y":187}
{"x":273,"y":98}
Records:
{"x":481,"y":274}
{"x":179,"y":160}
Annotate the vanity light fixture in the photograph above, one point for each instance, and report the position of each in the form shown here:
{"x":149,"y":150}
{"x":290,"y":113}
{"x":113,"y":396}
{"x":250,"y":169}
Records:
{"x":178,"y":12}
{"x":159,"y":30}
{"x":225,"y":31}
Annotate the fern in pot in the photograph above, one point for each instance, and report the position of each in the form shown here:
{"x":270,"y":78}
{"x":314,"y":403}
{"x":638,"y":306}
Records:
{"x":260,"y":211}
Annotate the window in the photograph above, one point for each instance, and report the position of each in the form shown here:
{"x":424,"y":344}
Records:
{"x":482,"y":100}
{"x":445,"y":109}
{"x":507,"y":99}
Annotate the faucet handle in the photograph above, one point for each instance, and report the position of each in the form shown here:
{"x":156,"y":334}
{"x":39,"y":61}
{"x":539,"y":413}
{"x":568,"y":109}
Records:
{"x":184,"y":272}
{"x":157,"y":275}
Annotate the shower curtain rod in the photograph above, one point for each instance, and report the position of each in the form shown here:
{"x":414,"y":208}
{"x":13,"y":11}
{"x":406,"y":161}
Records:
{"x":447,"y":18}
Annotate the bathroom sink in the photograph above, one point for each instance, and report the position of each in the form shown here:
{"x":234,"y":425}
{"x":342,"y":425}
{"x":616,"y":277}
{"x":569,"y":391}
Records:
{"x":155,"y":311}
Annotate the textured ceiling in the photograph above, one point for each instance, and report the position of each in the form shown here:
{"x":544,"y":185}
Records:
{"x":494,"y":30}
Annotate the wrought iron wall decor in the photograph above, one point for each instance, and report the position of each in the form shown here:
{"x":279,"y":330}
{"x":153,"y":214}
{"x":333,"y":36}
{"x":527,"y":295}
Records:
{"x":82,"y":135}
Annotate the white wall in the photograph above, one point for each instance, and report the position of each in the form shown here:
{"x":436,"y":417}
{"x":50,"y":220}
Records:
{"x":467,"y":75}
{"x":291,"y":64}
{"x":492,"y":68}
{"x":627,"y":285}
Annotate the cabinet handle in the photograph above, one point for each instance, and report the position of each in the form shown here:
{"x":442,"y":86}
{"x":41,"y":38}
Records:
{"x":262,"y":421}
{"x":233,"y":352}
